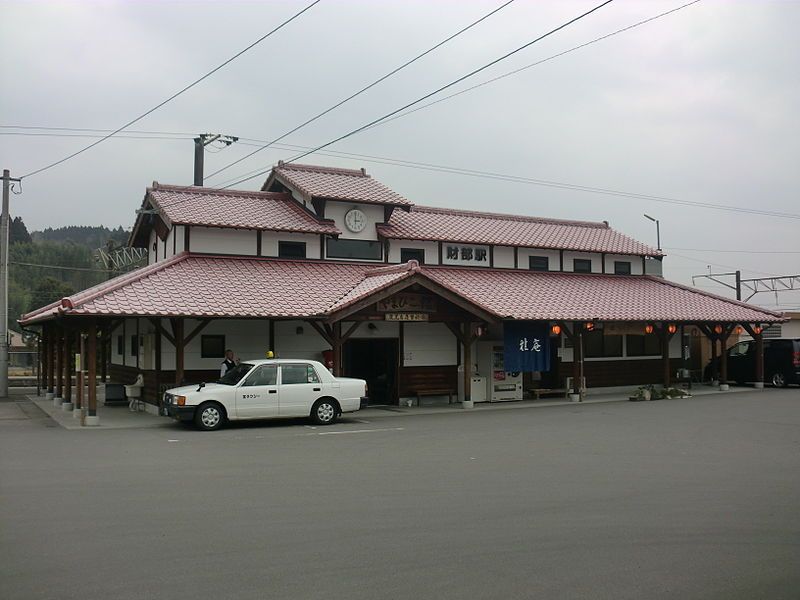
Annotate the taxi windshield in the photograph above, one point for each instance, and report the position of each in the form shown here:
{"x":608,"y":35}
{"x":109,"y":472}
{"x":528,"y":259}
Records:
{"x":235,"y":375}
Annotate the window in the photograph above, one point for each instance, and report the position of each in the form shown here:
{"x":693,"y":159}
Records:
{"x":643,"y":345}
{"x":120,"y":345}
{"x":134,"y":345}
{"x":582,"y":265}
{"x":235,"y":375}
{"x":598,"y":345}
{"x":364,"y":249}
{"x":740,"y":349}
{"x":292,"y":249}
{"x":293,"y":374}
{"x":539,"y":263}
{"x":622,"y":267}
{"x":417,"y":254}
{"x":212,"y":346}
{"x":264,"y":375}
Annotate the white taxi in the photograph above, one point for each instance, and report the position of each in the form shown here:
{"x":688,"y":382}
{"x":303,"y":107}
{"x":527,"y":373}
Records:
{"x":264,"y":389}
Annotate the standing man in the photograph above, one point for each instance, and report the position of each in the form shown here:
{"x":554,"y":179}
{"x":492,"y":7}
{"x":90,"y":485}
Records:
{"x":229,"y":362}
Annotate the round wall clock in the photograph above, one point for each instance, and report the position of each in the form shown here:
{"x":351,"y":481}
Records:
{"x":355,"y":220}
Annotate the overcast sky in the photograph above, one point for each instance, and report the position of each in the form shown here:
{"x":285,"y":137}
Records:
{"x":699,"y":105}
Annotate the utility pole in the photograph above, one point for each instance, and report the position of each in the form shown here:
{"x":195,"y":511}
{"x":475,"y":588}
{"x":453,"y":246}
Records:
{"x":200,"y":143}
{"x":4,"y":219}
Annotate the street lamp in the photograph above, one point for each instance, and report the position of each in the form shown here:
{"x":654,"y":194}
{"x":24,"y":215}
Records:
{"x":658,"y":231}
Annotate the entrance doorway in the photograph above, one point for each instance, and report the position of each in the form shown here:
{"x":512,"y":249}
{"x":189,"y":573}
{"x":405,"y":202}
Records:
{"x":376,"y":361}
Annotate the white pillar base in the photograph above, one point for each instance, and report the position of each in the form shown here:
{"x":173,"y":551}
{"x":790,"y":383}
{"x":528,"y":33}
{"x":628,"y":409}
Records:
{"x":724,"y":387}
{"x":49,"y":395}
{"x":467,"y":404}
{"x":76,"y":414}
{"x":759,"y":385}
{"x":66,"y":406}
{"x":57,"y":401}
{"x":92,"y":421}
{"x":574,"y":397}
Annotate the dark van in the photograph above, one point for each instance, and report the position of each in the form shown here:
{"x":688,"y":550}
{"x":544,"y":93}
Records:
{"x":781,"y":362}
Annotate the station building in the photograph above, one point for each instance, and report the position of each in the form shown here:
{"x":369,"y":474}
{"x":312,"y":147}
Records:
{"x":330,"y":264}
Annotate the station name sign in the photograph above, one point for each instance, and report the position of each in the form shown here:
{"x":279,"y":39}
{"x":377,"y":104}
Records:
{"x":465,"y":254}
{"x":406,"y":317}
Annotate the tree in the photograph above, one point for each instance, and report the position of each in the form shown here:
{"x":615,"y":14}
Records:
{"x":18,"y":233}
{"x":49,"y":290}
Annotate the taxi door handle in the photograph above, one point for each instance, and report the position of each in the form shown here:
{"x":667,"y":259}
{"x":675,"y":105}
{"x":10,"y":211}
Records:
{"x":317,"y":389}
{"x":273,"y":391}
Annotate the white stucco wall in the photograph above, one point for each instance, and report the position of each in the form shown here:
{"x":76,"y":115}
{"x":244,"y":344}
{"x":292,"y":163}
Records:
{"x":503,"y":257}
{"x":428,"y":345}
{"x":225,"y":241}
{"x":270,"y":239}
{"x":431,"y":250}
{"x":336,"y":211}
{"x":636,"y":262}
{"x":289,"y":344}
{"x":152,"y":255}
{"x":553,"y":263}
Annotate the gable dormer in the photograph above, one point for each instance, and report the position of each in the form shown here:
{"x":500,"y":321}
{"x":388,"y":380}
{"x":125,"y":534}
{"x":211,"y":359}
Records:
{"x":355,"y":202}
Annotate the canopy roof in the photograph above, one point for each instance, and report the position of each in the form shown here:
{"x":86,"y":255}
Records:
{"x":196,"y":285}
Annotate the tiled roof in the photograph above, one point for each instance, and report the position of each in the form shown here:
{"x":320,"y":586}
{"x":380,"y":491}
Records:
{"x":209,"y":286}
{"x":335,"y":184}
{"x":450,"y":225}
{"x":229,"y":208}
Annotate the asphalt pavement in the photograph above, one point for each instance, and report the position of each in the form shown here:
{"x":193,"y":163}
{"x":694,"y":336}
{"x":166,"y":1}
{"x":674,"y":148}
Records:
{"x":694,"y":498}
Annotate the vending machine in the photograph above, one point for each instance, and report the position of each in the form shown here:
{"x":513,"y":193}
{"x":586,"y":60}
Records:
{"x":501,"y":385}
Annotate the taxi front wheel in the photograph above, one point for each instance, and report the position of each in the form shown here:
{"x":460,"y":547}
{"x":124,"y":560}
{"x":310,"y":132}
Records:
{"x":209,"y":416}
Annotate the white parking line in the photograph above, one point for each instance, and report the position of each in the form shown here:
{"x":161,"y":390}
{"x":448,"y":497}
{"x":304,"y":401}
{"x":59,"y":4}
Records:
{"x":357,"y":431}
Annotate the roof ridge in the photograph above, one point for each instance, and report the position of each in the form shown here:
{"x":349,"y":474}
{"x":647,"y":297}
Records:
{"x":411,"y":266}
{"x":321,"y":169}
{"x":510,"y":217}
{"x":202,"y":190}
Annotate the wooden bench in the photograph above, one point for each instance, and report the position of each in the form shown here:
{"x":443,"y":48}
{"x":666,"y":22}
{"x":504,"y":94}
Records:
{"x":420,"y":393}
{"x":428,"y":381}
{"x":539,"y":392}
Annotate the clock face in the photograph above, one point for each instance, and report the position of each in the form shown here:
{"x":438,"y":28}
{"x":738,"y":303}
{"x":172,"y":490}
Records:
{"x":355,"y":220}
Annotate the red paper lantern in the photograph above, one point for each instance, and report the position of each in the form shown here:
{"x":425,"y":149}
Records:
{"x":717,"y":329}
{"x":589,"y":326}
{"x":556,"y":329}
{"x":758,"y":329}
{"x":672,"y":328}
{"x":648,"y":328}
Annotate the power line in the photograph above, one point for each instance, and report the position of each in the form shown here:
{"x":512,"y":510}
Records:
{"x":173,"y":96}
{"x":364,"y":89}
{"x":437,"y":168}
{"x":25,"y":264}
{"x":736,"y":251}
{"x":440,"y":89}
{"x":538,"y":62}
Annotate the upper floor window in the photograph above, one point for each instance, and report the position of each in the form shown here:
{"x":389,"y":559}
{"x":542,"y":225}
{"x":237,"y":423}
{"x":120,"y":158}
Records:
{"x":291,"y":249}
{"x":622,"y":267}
{"x":363,"y":249}
{"x":582,"y":265}
{"x":539,"y":263}
{"x":417,"y":254}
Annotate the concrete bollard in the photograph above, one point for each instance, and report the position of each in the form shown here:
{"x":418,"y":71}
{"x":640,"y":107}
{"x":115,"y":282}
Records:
{"x":759,"y":385}
{"x":467,"y":404}
{"x":66,"y":406}
{"x":57,"y":401}
{"x":724,"y":387}
{"x":49,"y":395}
{"x":92,"y":421}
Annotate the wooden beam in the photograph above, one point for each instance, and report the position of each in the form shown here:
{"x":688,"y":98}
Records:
{"x":59,"y":362}
{"x":202,"y":325}
{"x":322,"y":332}
{"x":157,"y":324}
{"x":350,"y":331}
{"x":456,"y":330}
{"x":158,"y":366}
{"x":177,"y":327}
{"x":68,"y":366}
{"x":337,"y":348}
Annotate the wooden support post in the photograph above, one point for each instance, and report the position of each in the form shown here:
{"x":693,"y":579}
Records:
{"x":714,"y":362}
{"x":51,"y":343}
{"x":177,"y":332}
{"x":665,"y":336}
{"x":42,"y":358}
{"x":467,"y":342}
{"x":79,"y":404}
{"x":336,"y":346}
{"x":59,"y":360}
{"x":759,"y":359}
{"x":158,"y":368}
{"x":91,"y":368}
{"x":68,"y":366}
{"x":104,"y":339}
{"x":577,"y":357}
{"x":723,"y":357}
